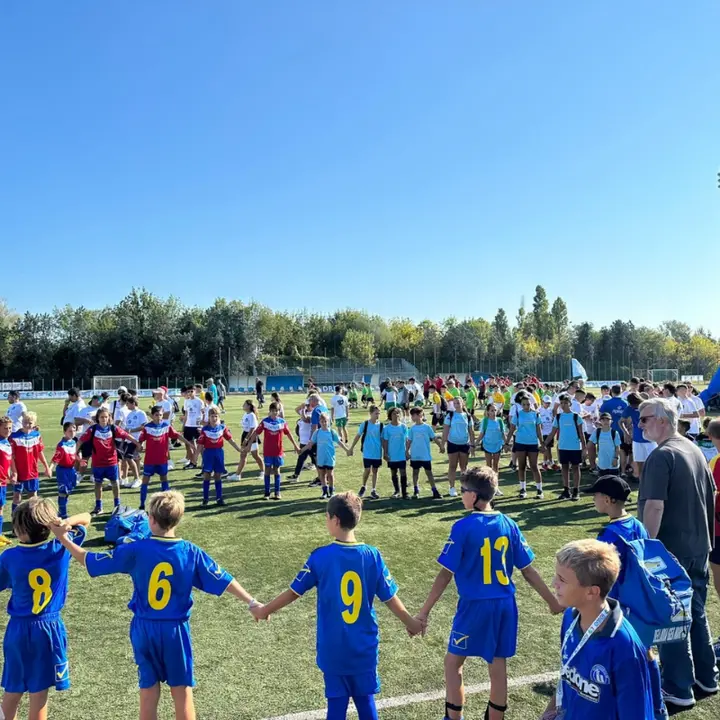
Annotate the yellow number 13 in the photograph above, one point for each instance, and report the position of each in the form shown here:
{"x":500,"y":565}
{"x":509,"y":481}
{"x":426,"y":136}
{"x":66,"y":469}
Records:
{"x":501,"y":546}
{"x":351,"y":598}
{"x":159,"y":589}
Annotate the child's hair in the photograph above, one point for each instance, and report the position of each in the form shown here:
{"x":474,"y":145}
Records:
{"x":133,"y":392}
{"x":489,"y":405}
{"x":103,"y":411}
{"x":275,"y":396}
{"x":156,"y":409}
{"x":33,"y":518}
{"x":131,"y":399}
{"x":213,"y":411}
{"x":347,"y":508}
{"x":415,"y":411}
{"x":392,"y":411}
{"x":31,"y":416}
{"x":273,"y":406}
{"x":73,"y":392}
{"x":712,"y":428}
{"x":208,"y":397}
{"x":634,"y":399}
{"x":66,"y":426}
{"x":251,"y":405}
{"x":5,"y":420}
{"x":683,"y":427}
{"x":373,"y":408}
{"x":483,"y":481}
{"x":105,"y":395}
{"x":594,"y":563}
{"x":167,"y":508}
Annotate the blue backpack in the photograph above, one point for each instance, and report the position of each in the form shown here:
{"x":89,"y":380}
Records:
{"x":125,"y":525}
{"x":654,"y":592}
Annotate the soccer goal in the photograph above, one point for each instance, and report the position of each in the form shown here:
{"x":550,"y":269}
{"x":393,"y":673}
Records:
{"x":111,"y":383}
{"x":664,"y":375}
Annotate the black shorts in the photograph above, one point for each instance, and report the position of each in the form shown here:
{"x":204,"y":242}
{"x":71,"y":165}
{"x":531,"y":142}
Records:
{"x":86,"y":450}
{"x":246,"y":435}
{"x":426,"y":394}
{"x":587,"y":436}
{"x":421,"y":464}
{"x":191,"y":433}
{"x":525,"y":447}
{"x":613,"y":471}
{"x":325,"y":467}
{"x":452,"y":448}
{"x":570,"y":457}
{"x":371,"y":463}
{"x":437,"y":419}
{"x":552,"y":442}
{"x":715,"y":553}
{"x":125,"y":450}
{"x":626,"y":447}
{"x":397,"y":464}
{"x":404,"y":406}
{"x":489,"y":452}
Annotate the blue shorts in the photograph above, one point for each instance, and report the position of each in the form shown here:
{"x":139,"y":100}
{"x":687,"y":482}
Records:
{"x":35,"y":655}
{"x":337,"y":686}
{"x":3,"y":495}
{"x":66,"y":480}
{"x":150,"y":470}
{"x":213,"y":461}
{"x":485,"y":628}
{"x":163,"y":653}
{"x":105,"y":473}
{"x":274,"y":462}
{"x":27,"y":486}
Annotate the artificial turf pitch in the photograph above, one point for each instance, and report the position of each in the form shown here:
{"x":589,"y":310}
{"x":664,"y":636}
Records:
{"x":250,"y":671}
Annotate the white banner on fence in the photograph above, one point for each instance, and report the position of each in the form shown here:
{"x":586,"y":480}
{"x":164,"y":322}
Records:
{"x":692,"y":378}
{"x":24,"y":385}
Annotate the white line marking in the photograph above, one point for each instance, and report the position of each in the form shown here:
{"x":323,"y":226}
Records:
{"x":402,"y":700}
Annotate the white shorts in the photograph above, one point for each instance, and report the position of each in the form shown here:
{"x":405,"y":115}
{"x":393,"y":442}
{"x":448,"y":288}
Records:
{"x":641,"y":451}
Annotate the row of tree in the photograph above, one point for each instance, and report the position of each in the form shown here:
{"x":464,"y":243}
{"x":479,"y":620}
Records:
{"x":149,"y":336}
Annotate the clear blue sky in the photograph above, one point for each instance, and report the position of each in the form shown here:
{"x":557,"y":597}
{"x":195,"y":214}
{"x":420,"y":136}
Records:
{"x":573,"y":144}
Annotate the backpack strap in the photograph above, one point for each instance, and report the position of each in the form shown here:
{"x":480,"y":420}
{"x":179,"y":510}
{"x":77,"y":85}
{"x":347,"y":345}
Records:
{"x":597,"y":436}
{"x":363,"y":435}
{"x":576,"y":417}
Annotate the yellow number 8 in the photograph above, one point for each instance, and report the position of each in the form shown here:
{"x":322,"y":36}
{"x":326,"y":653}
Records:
{"x":353,"y":599}
{"x":159,"y":589}
{"x":39,"y":580}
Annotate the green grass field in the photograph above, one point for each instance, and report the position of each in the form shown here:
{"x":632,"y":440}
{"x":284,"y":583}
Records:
{"x":249,"y":671}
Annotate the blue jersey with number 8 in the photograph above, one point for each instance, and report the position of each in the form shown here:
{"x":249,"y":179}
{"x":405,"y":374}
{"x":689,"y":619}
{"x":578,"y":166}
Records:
{"x":38,"y":576}
{"x":348,"y":576}
{"x":482,"y":551}
{"x":164,"y":572}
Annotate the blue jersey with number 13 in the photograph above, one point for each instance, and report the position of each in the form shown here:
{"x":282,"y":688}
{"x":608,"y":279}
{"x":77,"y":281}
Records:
{"x":348,"y":576}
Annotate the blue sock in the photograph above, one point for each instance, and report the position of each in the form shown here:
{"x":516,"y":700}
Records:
{"x":14,"y":508}
{"x":218,"y":490}
{"x":206,"y":490}
{"x":143,"y":494}
{"x":337,"y":708}
{"x":365,"y":704}
{"x":277,"y":484}
{"x":98,"y":504}
{"x":116,"y":502}
{"x":164,"y":485}
{"x":267,"y":484}
{"x":62,"y":505}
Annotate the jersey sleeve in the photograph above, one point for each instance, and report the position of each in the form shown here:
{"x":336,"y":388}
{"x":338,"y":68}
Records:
{"x":4,"y":575}
{"x":118,"y":561}
{"x":173,"y":434}
{"x":78,"y":534}
{"x":86,"y":435}
{"x":451,"y":555}
{"x":209,"y":576}
{"x":286,"y":430}
{"x":306,"y":579}
{"x":143,"y":436}
{"x":386,"y":587}
{"x":578,"y":419}
{"x":57,"y":456}
{"x":226,"y":434}
{"x":123,"y":434}
{"x":201,"y":438}
{"x":616,"y":439}
{"x":522,"y":552}
{"x":335,"y":437}
{"x":313,"y":437}
{"x":631,"y":694}
{"x":260,"y":429}
{"x":556,"y":422}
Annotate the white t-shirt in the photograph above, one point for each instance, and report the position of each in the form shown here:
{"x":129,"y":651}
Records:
{"x":592,"y":416}
{"x":167,"y":407}
{"x":134,"y":419}
{"x":546,"y":418}
{"x":73,"y":410}
{"x":305,"y":429}
{"x":87,"y":413}
{"x":390,"y":396}
{"x":193,"y":412}
{"x":690,"y":406}
{"x":339,"y":405}
{"x":120,"y":412}
{"x":249,"y":422}
{"x":14,"y":411}
{"x":678,"y":404}
{"x":575,"y":407}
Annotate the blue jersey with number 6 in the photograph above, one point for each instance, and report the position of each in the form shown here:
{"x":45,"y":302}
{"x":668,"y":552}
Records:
{"x":164,"y":572}
{"x":37,"y":574}
{"x":348,"y":576}
{"x":482,"y":551}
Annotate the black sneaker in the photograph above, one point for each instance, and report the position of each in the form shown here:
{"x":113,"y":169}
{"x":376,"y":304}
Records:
{"x":565,"y":494}
{"x":436,"y":495}
{"x":523,"y":494}
{"x":374,"y":495}
{"x":266,"y":497}
{"x":575,"y":494}
{"x":362,"y":492}
{"x":331,"y":492}
{"x":198,"y":475}
{"x":405,"y":496}
{"x":293,"y":477}
{"x":220,"y":502}
{"x":395,"y":495}
{"x":324,"y":493}
{"x":205,"y":502}
{"x":96,"y":511}
{"x":277,"y":496}
{"x":416,"y":492}
{"x":315,"y":483}
{"x":190,"y":466}
{"x":539,"y":495}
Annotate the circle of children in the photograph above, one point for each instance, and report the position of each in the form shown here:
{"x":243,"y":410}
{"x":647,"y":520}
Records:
{"x":607,"y":670}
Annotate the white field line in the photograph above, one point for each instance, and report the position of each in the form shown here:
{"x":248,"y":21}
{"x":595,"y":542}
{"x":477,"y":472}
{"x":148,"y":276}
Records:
{"x":402,"y":700}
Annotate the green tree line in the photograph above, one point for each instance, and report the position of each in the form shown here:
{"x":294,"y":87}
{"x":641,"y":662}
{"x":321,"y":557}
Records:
{"x":153,"y":337}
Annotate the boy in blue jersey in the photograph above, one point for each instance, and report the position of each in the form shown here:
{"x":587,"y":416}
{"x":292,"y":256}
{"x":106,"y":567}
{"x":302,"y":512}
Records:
{"x":604,"y":674}
{"x":164,"y":570}
{"x":481,"y":553}
{"x":36,"y":572}
{"x":394,"y":442}
{"x":420,"y":436}
{"x":369,"y":435}
{"x":348,"y":575}
{"x":325,"y":439}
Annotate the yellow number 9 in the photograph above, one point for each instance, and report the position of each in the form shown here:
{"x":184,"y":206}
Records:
{"x":352,"y":599}
{"x":39,"y":580}
{"x":159,"y":589}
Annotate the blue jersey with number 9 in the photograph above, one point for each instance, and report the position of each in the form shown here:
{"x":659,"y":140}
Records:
{"x":348,"y":576}
{"x":164,"y":572}
{"x":38,"y":576}
{"x":482,"y":551}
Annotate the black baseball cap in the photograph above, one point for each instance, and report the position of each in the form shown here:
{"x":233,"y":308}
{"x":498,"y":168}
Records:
{"x":611,"y":485}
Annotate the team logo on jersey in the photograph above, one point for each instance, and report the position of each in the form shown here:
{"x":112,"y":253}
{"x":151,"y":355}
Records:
{"x":217,"y":570}
{"x":448,"y":544}
{"x":105,"y":555}
{"x":458,"y":640}
{"x":582,"y":686}
{"x":62,"y":671}
{"x":301,"y":575}
{"x":599,"y":675}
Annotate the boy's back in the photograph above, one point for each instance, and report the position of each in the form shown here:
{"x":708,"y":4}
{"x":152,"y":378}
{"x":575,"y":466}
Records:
{"x":348,"y":576}
{"x":482,"y":551}
{"x":164,"y":572}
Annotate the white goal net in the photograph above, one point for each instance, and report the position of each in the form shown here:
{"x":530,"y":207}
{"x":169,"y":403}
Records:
{"x":112,"y":382}
{"x":664,"y":375}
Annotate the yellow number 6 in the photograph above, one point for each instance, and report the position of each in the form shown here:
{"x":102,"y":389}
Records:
{"x":39,"y":580}
{"x":352,"y":599}
{"x":159,"y":589}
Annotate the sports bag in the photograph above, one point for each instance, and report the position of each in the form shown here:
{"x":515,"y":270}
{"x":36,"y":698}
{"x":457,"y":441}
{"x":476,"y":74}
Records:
{"x":126,"y":524}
